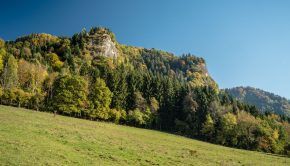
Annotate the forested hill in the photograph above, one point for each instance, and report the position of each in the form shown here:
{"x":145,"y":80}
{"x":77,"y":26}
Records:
{"x":92,"y":76}
{"x":265,"y":101}
{"x":99,"y":47}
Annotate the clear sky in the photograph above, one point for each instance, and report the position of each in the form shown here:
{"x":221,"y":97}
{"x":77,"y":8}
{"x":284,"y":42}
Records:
{"x":244,"y":42}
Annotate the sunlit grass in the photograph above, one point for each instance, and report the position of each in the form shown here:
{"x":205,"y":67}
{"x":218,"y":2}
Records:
{"x":36,"y":138}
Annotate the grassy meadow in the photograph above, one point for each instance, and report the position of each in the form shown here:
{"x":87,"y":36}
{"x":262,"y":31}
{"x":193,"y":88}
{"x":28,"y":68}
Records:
{"x":37,"y":138}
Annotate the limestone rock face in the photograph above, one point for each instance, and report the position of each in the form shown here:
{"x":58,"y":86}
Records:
{"x":101,"y":44}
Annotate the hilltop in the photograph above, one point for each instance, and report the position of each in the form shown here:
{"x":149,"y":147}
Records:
{"x":265,"y":101}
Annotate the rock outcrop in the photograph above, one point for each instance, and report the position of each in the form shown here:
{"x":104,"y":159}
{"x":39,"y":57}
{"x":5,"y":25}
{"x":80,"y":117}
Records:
{"x":100,"y":42}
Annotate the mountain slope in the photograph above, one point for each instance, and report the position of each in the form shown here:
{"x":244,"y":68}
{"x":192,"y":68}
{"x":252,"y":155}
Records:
{"x":90,"y":47}
{"x":35,"y":138}
{"x":92,"y":76}
{"x":265,"y":101}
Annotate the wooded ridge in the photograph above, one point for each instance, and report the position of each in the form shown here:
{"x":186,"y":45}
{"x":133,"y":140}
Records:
{"x":92,"y":76}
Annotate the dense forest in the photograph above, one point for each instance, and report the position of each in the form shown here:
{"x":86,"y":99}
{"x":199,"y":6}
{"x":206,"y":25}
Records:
{"x":92,"y":76}
{"x":265,"y":101}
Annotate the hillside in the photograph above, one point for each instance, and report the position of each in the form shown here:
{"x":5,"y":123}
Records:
{"x":265,"y":101}
{"x":35,"y":138}
{"x":90,"y":75}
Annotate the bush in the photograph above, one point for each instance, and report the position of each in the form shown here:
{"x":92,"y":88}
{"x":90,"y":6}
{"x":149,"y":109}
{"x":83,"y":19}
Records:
{"x":139,"y":118}
{"x":135,"y":117}
{"x":117,"y":115}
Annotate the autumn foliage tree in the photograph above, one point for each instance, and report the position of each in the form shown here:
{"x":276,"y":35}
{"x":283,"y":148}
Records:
{"x":100,"y":97}
{"x":70,"y":95}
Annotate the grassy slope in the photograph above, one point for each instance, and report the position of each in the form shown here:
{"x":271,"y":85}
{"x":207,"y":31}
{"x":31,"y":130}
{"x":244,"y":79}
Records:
{"x":36,"y":138}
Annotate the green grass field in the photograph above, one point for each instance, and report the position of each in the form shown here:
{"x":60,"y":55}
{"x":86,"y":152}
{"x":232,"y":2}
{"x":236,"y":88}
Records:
{"x":36,"y":138}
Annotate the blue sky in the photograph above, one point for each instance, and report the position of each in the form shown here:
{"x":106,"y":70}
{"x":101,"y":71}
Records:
{"x":244,"y":42}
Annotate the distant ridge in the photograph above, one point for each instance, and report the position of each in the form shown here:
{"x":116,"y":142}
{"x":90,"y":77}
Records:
{"x":265,"y":101}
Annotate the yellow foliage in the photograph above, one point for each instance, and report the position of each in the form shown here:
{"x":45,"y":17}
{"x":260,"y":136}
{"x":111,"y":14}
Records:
{"x":2,"y":43}
{"x":2,"y":54}
{"x":274,"y":117}
{"x":130,"y":51}
{"x":230,"y":119}
{"x":246,"y":117}
{"x":31,"y":76}
{"x":54,"y":60}
{"x":209,"y":119}
{"x":43,"y":38}
{"x":276,"y":134}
